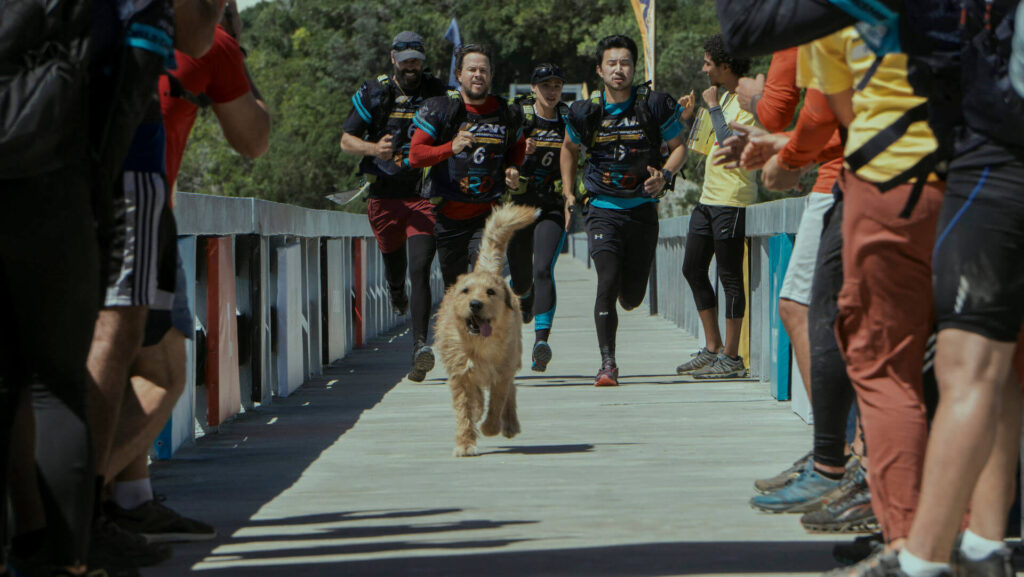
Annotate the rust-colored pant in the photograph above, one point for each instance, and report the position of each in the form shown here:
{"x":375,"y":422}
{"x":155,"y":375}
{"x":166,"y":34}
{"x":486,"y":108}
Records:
{"x":885,"y":317}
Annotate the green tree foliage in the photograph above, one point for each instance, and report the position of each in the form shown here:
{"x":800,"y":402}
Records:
{"x":308,"y":57}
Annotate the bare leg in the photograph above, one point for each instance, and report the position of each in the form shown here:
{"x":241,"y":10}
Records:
{"x":794,"y":318}
{"x":972,"y":370}
{"x":157,"y":381}
{"x":29,"y":514}
{"x":733,"y":327}
{"x":115,"y":344}
{"x":712,"y":336}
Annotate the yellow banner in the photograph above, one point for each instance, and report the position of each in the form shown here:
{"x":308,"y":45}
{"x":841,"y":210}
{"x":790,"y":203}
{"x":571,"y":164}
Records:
{"x":644,"y":10}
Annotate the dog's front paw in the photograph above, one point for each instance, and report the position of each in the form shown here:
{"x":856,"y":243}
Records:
{"x":490,"y":427}
{"x":511,"y":428}
{"x":469,"y":451}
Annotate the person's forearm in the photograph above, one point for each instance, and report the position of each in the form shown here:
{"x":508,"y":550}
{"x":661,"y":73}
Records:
{"x":422,"y":152}
{"x":352,"y":144}
{"x":676,"y":159}
{"x":195,"y":22}
{"x":722,"y":130}
{"x":567,"y":163}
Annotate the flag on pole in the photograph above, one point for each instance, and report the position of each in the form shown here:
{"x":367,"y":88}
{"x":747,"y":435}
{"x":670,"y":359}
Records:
{"x":453,"y":36}
{"x":644,"y":10}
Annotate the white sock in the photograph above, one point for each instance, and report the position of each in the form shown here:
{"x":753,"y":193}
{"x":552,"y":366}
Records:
{"x":914,"y":566}
{"x":976,"y":547}
{"x":131,"y":494}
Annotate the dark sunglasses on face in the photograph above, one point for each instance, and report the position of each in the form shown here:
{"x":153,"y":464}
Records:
{"x":407,"y":46}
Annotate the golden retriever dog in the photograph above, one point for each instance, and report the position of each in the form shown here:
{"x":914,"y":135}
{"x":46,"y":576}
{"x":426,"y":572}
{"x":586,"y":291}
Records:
{"x":479,"y":336}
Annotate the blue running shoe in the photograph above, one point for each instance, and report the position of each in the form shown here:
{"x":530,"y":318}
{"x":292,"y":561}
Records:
{"x":803,"y":495}
{"x":541,"y":356}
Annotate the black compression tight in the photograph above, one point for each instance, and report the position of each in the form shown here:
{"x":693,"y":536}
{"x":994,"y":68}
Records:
{"x":532,"y":255}
{"x":614,"y":283}
{"x":418,"y":255}
{"x":832,"y":394}
{"x":728,"y":253}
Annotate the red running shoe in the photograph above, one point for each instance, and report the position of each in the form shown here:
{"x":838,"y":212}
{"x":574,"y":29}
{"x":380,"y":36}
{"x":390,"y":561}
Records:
{"x":608,"y":376}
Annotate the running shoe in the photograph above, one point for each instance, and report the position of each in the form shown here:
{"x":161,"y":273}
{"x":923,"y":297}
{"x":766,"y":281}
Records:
{"x":846,"y":510}
{"x":608,"y":376}
{"x":772,"y":484}
{"x":422,"y":362}
{"x":998,"y":564}
{"x":113,"y":547}
{"x":541,"y":356}
{"x":881,"y":564}
{"x":158,"y":523}
{"x":526,"y":306}
{"x":399,"y":301}
{"x":723,"y":367}
{"x":804,"y":494}
{"x":698,"y":360}
{"x":861,"y":548}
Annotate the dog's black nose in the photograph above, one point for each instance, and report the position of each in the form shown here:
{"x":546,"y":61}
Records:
{"x":476,"y":305}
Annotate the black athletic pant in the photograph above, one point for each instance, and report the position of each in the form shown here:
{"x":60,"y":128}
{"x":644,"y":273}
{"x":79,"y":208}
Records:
{"x":622,"y":246}
{"x":50,"y":290}
{"x":458,"y":243}
{"x":832,"y":394}
{"x":418,"y":255}
{"x":531,"y":261}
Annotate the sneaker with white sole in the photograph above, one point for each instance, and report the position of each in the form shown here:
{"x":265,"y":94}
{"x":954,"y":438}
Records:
{"x":698,"y":360}
{"x":723,"y":367}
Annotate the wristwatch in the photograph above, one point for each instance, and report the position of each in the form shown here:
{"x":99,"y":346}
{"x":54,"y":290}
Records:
{"x":667,"y":175}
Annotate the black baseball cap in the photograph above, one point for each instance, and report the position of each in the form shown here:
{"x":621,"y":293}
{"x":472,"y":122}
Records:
{"x":408,"y":45}
{"x":545,"y":72}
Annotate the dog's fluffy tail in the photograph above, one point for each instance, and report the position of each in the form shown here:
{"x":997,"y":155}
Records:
{"x":502,"y":223}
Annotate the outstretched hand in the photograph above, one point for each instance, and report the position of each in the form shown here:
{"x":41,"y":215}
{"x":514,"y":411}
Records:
{"x":730,"y":151}
{"x":655,"y":185}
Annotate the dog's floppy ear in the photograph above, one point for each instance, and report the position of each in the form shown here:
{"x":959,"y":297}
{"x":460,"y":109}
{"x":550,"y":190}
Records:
{"x":508,"y":297}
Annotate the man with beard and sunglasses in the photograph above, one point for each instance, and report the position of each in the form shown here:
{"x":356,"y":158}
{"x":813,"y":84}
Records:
{"x":473,"y":140}
{"x":402,"y":220}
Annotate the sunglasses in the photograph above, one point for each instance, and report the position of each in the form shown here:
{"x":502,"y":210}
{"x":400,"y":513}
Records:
{"x":407,"y":46}
{"x":542,"y":73}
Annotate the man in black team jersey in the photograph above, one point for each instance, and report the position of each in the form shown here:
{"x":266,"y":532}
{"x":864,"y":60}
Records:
{"x":534,"y":249}
{"x":623,"y":128}
{"x":402,"y":220}
{"x":472,"y":140}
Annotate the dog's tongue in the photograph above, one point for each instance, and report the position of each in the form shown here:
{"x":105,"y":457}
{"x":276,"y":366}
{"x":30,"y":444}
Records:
{"x":485,"y":329}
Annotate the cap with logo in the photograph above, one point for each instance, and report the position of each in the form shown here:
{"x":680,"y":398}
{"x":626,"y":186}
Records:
{"x":408,"y":45}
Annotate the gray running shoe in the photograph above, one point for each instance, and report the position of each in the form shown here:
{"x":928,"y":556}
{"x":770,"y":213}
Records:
{"x":698,"y":360}
{"x":772,"y":484}
{"x":998,"y":564}
{"x":422,"y":363}
{"x":723,"y":367}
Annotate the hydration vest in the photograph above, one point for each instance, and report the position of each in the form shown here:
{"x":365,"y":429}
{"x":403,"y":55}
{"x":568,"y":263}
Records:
{"x":614,"y":167}
{"x":477,"y":174}
{"x":540,"y":176}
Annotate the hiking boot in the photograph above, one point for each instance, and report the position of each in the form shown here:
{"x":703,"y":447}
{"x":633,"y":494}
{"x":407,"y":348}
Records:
{"x":158,"y":523}
{"x":113,"y":547}
{"x":608,"y":376}
{"x":422,"y":362}
{"x":772,"y":484}
{"x":526,"y":306}
{"x":541,"y":356}
{"x":399,"y":301}
{"x":880,"y":564}
{"x":723,"y":367}
{"x":846,"y":510}
{"x":804,"y":494}
{"x":998,"y":564}
{"x":698,"y":360}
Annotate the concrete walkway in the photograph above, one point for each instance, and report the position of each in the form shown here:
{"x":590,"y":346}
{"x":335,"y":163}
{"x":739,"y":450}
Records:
{"x":353,"y":475}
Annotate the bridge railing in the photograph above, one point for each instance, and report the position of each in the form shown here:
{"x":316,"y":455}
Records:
{"x":771,"y":229}
{"x":277,"y":293}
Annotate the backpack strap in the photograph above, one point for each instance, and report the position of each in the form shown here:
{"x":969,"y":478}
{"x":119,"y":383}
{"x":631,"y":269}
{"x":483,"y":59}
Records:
{"x":886,"y":138}
{"x":453,"y":117}
{"x":385,"y":103}
{"x":178,"y":90}
{"x":513,"y":120}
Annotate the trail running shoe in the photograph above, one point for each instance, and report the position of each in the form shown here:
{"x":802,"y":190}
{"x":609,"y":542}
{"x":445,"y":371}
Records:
{"x":772,"y":484}
{"x":998,"y":564}
{"x":608,"y":376}
{"x":804,"y":494}
{"x":158,"y":523}
{"x":698,"y":360}
{"x":861,"y":548}
{"x":723,"y":367}
{"x":399,"y":301}
{"x":847,"y":510}
{"x":422,"y":362}
{"x":880,"y":564}
{"x":541,"y":356}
